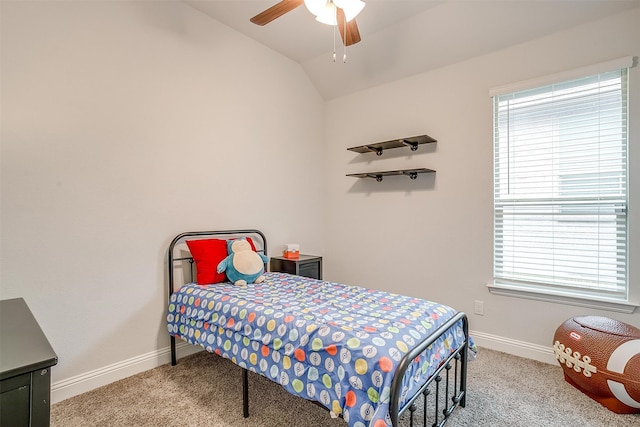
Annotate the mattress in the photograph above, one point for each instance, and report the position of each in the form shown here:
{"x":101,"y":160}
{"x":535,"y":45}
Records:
{"x":332,"y":343}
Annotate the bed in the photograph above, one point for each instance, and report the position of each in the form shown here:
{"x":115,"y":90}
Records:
{"x":365,"y":355}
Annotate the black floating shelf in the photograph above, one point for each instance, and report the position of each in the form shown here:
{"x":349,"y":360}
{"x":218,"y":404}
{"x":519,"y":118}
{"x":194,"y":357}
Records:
{"x":379,"y":147}
{"x":411,"y":173}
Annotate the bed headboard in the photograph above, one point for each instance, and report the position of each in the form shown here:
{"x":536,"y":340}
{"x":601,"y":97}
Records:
{"x":179,"y":242}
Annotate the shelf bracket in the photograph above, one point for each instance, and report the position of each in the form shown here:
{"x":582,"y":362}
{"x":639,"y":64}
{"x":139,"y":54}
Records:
{"x":378,"y":150}
{"x":378,"y":177}
{"x":412,"y":175}
{"x":413,"y":145}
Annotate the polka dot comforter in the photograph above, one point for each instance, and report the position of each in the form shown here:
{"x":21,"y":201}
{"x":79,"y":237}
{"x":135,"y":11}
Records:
{"x":332,"y":343}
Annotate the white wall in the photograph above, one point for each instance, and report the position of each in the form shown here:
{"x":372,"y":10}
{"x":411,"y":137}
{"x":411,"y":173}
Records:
{"x":123,"y":124}
{"x":432,"y":237}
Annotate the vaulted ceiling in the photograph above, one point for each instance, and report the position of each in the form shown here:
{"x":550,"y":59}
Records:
{"x":405,"y":37}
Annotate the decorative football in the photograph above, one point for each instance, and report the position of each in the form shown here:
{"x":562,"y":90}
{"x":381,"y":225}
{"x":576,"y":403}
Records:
{"x":601,"y":358}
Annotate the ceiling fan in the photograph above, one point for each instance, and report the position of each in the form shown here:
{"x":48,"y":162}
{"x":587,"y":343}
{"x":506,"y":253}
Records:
{"x":340,"y":13}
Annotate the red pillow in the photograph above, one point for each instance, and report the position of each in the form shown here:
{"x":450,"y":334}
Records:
{"x":207,"y":254}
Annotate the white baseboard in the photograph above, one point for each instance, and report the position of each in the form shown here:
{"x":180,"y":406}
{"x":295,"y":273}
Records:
{"x":517,"y":348}
{"x":64,"y":389}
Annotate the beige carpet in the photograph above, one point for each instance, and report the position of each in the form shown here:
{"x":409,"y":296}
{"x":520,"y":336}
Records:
{"x":205,"y":390}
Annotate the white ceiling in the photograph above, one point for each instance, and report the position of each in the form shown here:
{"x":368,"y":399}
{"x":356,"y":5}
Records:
{"x":405,"y":37}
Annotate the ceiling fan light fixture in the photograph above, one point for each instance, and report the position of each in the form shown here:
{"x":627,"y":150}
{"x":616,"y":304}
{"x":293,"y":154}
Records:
{"x":315,"y":6}
{"x":328,"y":14}
{"x":351,"y":7}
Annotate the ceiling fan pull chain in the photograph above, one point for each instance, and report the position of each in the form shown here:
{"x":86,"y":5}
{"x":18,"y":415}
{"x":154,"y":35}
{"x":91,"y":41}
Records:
{"x":344,"y":22}
{"x":334,"y":44}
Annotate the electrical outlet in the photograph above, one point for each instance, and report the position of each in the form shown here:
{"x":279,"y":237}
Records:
{"x":479,"y":308}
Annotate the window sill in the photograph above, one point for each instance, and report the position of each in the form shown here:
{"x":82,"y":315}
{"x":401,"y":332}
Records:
{"x":561,"y":298}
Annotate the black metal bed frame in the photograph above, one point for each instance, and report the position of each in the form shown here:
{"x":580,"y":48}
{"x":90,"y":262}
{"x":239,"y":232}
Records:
{"x":450,"y":398}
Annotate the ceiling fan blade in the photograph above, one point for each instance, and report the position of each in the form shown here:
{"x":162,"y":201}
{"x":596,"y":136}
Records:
{"x":351,"y":35}
{"x":275,"y":11}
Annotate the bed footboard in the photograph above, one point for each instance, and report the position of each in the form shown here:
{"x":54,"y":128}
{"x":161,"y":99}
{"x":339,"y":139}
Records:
{"x":455,"y":388}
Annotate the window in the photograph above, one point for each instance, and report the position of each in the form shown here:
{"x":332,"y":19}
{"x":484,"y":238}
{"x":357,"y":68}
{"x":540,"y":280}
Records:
{"x":560,"y":187}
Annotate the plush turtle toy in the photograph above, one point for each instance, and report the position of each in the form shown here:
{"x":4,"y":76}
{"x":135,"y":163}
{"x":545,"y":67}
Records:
{"x":242,"y":265}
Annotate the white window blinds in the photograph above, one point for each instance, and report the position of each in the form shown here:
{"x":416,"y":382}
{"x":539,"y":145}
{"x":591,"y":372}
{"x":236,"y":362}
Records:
{"x":560,"y":186}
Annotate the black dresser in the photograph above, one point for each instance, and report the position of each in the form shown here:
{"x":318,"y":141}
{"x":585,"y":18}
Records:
{"x":26,"y":358}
